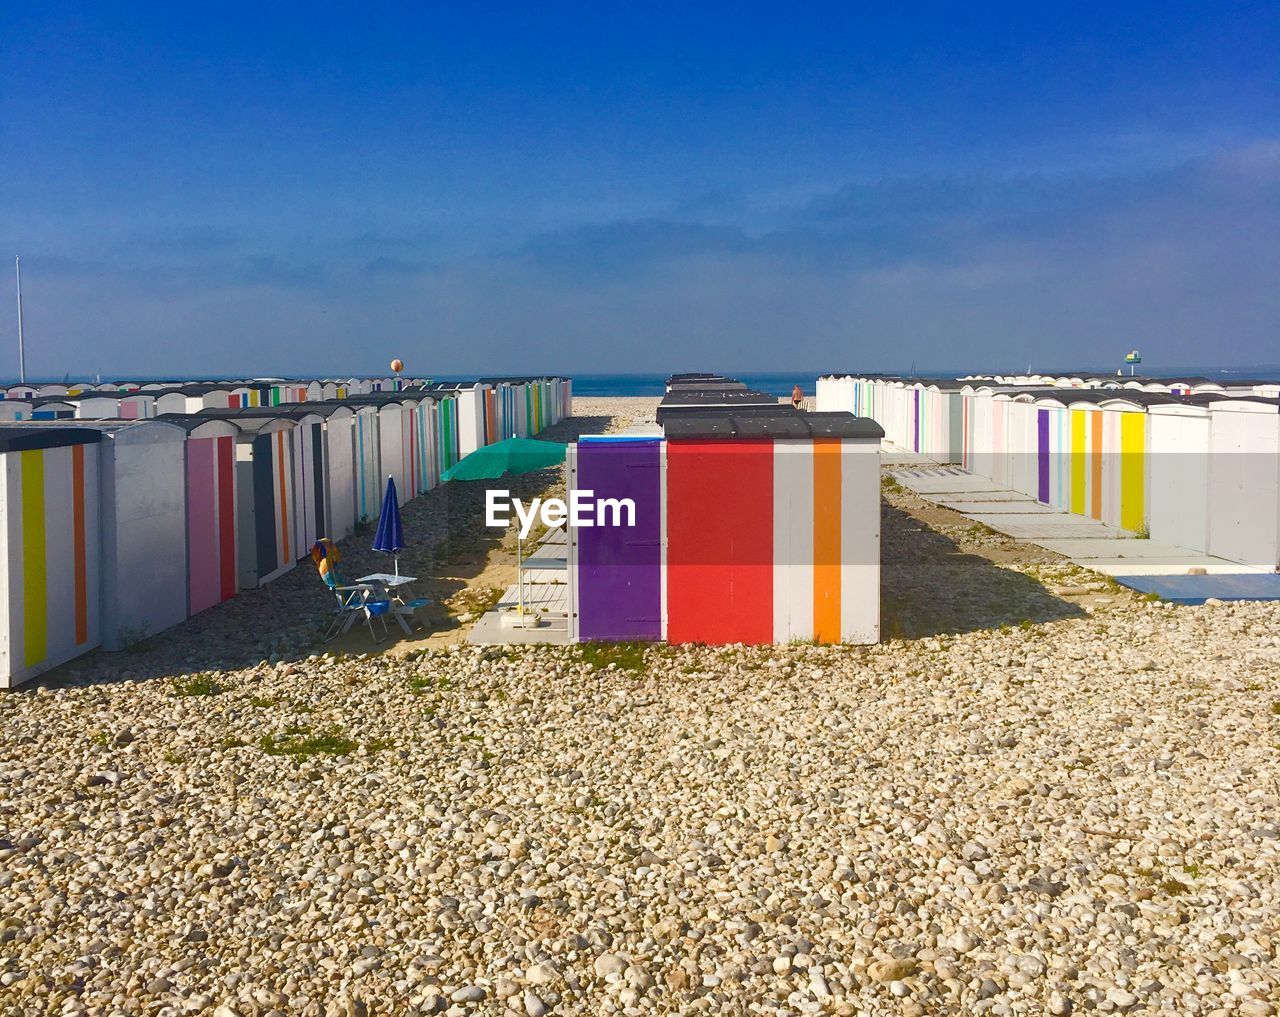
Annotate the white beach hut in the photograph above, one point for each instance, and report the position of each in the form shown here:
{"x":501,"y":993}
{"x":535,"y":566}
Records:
{"x":143,"y":514}
{"x":1178,"y":474}
{"x":1244,"y":488}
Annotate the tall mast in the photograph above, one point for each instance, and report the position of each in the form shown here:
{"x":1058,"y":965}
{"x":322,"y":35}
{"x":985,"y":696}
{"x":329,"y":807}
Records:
{"x":22,"y":348}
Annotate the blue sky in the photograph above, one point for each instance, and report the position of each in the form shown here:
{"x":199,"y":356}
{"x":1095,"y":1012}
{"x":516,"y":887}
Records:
{"x":317,"y":188}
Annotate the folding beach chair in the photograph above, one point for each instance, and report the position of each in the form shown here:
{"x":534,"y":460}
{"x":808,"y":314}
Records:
{"x":353,"y":602}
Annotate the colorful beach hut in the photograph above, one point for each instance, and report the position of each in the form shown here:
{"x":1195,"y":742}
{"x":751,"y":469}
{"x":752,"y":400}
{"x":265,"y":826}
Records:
{"x":209,"y":466}
{"x":772,"y":528}
{"x":49,"y":562}
{"x":266,"y":515}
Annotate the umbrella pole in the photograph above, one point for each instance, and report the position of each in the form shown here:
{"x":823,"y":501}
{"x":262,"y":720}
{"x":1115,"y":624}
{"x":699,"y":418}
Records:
{"x":520,"y":574}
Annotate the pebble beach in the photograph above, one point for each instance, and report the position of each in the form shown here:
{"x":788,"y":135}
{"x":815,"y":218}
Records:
{"x":1040,"y":793}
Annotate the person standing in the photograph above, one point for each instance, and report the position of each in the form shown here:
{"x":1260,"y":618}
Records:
{"x":797,"y":397}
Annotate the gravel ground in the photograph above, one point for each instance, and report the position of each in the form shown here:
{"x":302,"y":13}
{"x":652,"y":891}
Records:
{"x":1045,"y":804}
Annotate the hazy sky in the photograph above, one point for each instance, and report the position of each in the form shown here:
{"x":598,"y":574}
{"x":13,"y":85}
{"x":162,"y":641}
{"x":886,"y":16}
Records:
{"x":316,"y":188}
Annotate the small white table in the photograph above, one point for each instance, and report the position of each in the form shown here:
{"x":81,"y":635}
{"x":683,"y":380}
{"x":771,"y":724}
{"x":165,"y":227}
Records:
{"x":396,"y":591}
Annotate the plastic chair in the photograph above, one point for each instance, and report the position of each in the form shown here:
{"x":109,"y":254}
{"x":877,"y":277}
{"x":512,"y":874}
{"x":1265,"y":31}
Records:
{"x":353,"y":602}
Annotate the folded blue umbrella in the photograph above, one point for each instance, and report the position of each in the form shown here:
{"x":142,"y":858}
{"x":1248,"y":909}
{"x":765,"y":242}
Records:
{"x":390,"y":534}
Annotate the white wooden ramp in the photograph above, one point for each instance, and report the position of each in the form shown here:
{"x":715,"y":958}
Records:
{"x":549,"y":600}
{"x":1087,"y":542}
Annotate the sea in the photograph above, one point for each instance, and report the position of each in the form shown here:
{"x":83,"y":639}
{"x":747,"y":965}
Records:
{"x":782,"y":383}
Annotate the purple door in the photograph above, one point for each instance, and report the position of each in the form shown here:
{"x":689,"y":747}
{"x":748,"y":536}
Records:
{"x":1042,"y":449}
{"x":619,"y":566}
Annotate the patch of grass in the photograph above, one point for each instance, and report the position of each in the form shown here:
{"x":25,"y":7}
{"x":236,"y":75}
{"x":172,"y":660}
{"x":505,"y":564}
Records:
{"x":232,"y":742}
{"x":1026,"y":624}
{"x":419,"y":685}
{"x":198,"y":685}
{"x":293,"y":743}
{"x":377,"y":744}
{"x":1153,"y":597}
{"x":1195,"y":870}
{"x":1174,"y":887}
{"x":262,"y":702}
{"x":627,"y":657}
{"x":173,"y":757}
{"x":889,"y":483}
{"x":1275,"y":708}
{"x":98,"y":738}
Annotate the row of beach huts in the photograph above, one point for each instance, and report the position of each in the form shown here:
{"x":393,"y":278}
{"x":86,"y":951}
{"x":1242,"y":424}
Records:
{"x":1187,"y":461}
{"x":116,"y":527}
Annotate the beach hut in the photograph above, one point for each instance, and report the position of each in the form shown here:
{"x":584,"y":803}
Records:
{"x":24,"y":392}
{"x":266,"y":514}
{"x":1052,"y":451}
{"x":709,"y":400}
{"x":113,"y":405}
{"x":426,"y":436}
{"x":772,"y":528}
{"x":242,"y":396}
{"x":470,"y":413}
{"x":618,"y":570}
{"x":449,"y":449}
{"x":50,"y":391}
{"x":999,"y":449}
{"x":940,"y":419}
{"x":143,"y":523}
{"x":518,"y":409}
{"x":50,"y":559}
{"x":1021,"y":448}
{"x":366,"y":468}
{"x":1124,"y":442}
{"x":396,"y":441}
{"x":209,"y":469}
{"x":1086,"y":469}
{"x":306,"y":461}
{"x":324,"y":469}
{"x":1244,"y":487}
{"x":14,"y":409}
{"x":829,"y":394}
{"x":193,"y":399}
{"x":47,"y":408}
{"x":340,"y":467}
{"x":1178,"y":474}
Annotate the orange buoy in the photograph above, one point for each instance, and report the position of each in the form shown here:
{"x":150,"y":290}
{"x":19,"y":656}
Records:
{"x":397,"y":365}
